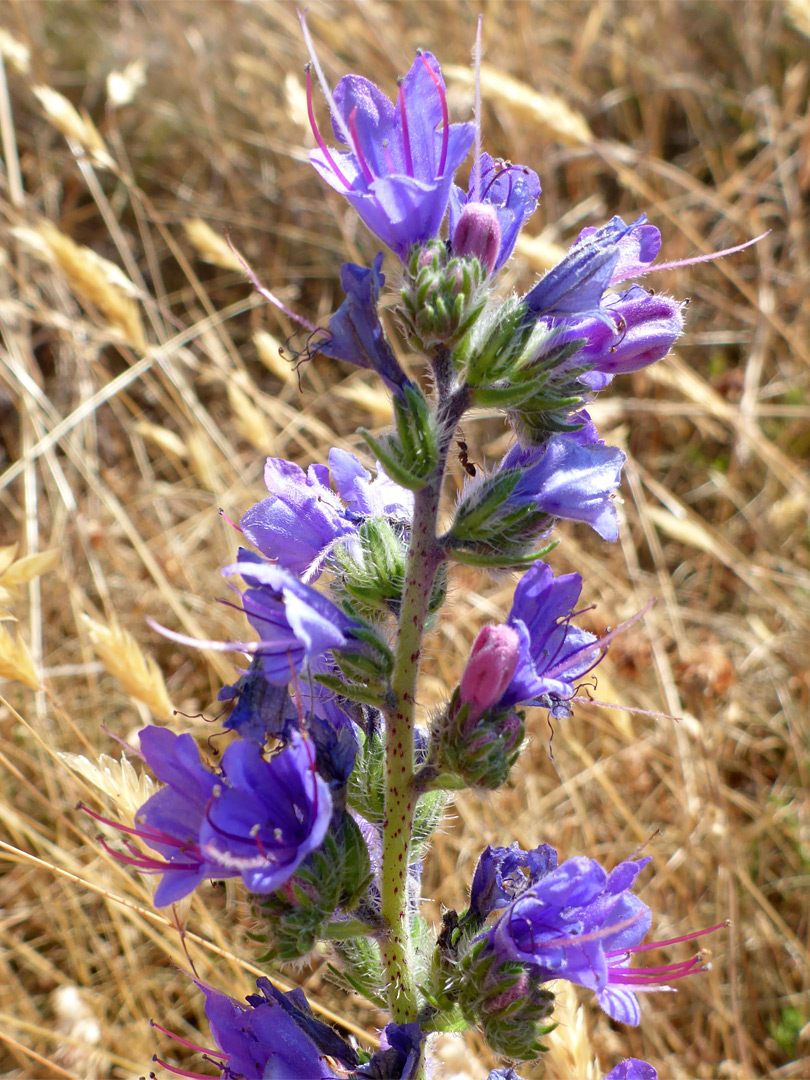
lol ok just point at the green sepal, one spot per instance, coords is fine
(363, 969)
(449, 1020)
(498, 561)
(357, 873)
(429, 811)
(509, 397)
(366, 790)
(392, 464)
(410, 456)
(483, 504)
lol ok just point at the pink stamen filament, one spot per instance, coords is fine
(358, 151)
(144, 863)
(672, 941)
(233, 524)
(406, 139)
(145, 833)
(324, 149)
(445, 115)
(598, 645)
(702, 258)
(181, 1072)
(186, 1042)
(653, 976)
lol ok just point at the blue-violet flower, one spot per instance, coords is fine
(255, 818)
(399, 165)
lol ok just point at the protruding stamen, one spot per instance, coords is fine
(476, 194)
(186, 1042)
(677, 940)
(147, 833)
(180, 1072)
(597, 646)
(358, 150)
(327, 93)
(445, 114)
(257, 285)
(701, 258)
(313, 123)
(655, 976)
(145, 863)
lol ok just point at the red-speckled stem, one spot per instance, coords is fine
(424, 558)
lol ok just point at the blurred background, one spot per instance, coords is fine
(141, 388)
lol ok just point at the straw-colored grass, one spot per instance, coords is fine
(141, 387)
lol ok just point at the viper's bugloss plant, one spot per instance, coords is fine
(325, 800)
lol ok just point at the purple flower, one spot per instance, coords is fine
(255, 818)
(364, 497)
(297, 626)
(554, 653)
(330, 722)
(566, 479)
(399, 1056)
(262, 710)
(598, 259)
(170, 821)
(399, 165)
(356, 335)
(575, 921)
(498, 192)
(301, 518)
(642, 328)
(304, 519)
(268, 815)
(632, 1069)
(274, 1036)
(578, 922)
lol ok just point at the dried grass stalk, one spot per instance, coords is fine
(569, 1051)
(17, 54)
(251, 423)
(92, 279)
(15, 660)
(74, 125)
(14, 573)
(211, 245)
(124, 659)
(550, 113)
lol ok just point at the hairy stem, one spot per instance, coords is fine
(424, 558)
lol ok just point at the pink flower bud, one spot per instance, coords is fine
(489, 670)
(478, 233)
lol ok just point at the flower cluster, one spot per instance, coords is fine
(325, 801)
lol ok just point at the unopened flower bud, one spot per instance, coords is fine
(489, 670)
(478, 233)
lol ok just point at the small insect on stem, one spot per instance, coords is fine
(463, 452)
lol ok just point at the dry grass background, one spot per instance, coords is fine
(141, 388)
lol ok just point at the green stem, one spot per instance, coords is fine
(424, 558)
